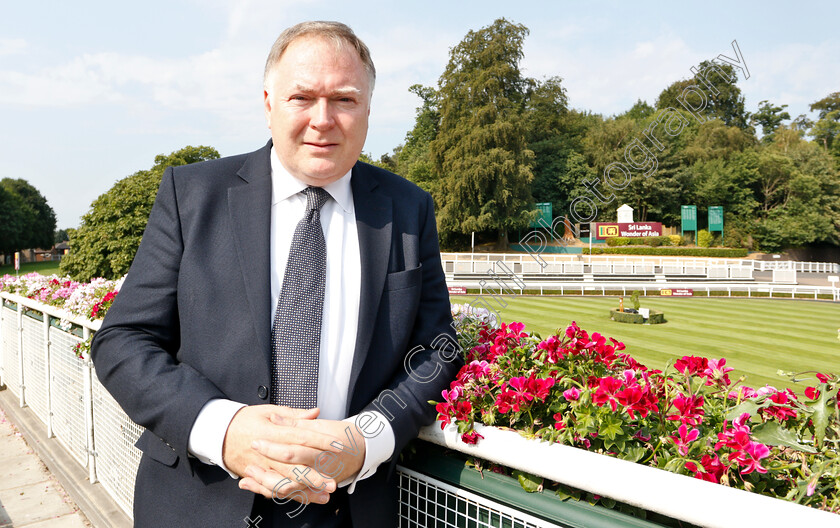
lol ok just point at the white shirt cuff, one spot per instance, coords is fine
(378, 449)
(207, 436)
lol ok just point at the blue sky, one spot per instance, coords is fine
(91, 91)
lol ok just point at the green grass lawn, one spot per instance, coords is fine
(44, 268)
(757, 337)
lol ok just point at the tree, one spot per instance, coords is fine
(480, 152)
(555, 135)
(12, 222)
(723, 97)
(105, 243)
(769, 117)
(38, 216)
(413, 159)
(827, 129)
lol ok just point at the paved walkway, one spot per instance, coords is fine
(30, 496)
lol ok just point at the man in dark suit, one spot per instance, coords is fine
(190, 348)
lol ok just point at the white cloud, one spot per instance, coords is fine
(610, 81)
(12, 46)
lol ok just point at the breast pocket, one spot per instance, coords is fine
(401, 280)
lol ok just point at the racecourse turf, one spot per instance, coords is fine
(758, 337)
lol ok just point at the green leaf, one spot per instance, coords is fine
(633, 454)
(530, 483)
(747, 406)
(772, 433)
(821, 414)
(610, 427)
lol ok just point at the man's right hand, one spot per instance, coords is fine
(300, 447)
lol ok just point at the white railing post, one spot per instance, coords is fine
(21, 382)
(87, 373)
(47, 375)
(2, 351)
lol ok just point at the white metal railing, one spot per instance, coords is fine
(38, 365)
(703, 289)
(464, 261)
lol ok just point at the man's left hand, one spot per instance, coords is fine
(337, 466)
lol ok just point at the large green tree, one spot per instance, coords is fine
(105, 244)
(480, 151)
(769, 117)
(35, 219)
(723, 97)
(413, 158)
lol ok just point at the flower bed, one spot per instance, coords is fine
(583, 390)
(89, 300)
(86, 300)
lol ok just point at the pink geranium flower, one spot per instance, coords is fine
(685, 437)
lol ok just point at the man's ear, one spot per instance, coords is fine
(267, 107)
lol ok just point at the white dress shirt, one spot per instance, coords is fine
(339, 321)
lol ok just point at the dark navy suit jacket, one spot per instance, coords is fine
(192, 323)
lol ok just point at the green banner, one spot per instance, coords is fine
(545, 214)
(688, 214)
(716, 218)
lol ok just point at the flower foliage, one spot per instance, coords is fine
(89, 300)
(583, 390)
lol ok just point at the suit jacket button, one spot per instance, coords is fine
(262, 392)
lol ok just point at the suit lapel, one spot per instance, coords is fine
(249, 206)
(374, 218)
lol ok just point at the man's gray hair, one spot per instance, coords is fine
(340, 34)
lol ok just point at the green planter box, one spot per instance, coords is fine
(426, 504)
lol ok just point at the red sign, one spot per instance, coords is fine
(636, 229)
(457, 290)
(677, 292)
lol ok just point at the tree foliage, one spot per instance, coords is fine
(480, 151)
(487, 142)
(26, 219)
(105, 243)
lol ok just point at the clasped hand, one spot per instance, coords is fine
(283, 453)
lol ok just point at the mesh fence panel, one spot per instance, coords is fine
(34, 367)
(66, 394)
(116, 457)
(11, 354)
(426, 502)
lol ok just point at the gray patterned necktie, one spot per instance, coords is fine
(296, 331)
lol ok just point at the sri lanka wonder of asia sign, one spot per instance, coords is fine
(636, 229)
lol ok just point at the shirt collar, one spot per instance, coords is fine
(284, 185)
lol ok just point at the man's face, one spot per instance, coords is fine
(317, 103)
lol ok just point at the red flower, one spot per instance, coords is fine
(690, 409)
(716, 372)
(471, 438)
(685, 437)
(607, 387)
(812, 393)
(822, 377)
(780, 413)
(691, 365)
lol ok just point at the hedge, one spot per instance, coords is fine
(656, 317)
(674, 251)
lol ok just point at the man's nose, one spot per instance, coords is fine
(322, 115)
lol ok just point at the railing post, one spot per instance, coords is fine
(2, 351)
(47, 375)
(87, 373)
(21, 382)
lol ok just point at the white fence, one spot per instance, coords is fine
(565, 263)
(38, 365)
(704, 289)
